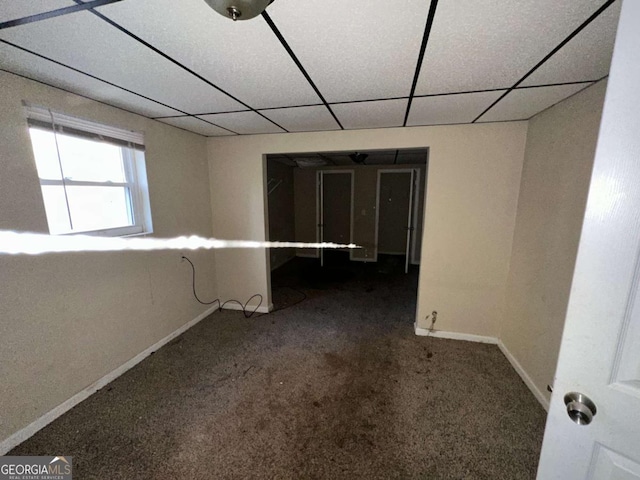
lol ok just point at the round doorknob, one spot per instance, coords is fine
(580, 408)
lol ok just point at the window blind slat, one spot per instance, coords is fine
(41, 117)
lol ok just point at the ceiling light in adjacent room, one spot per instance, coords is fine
(239, 9)
(358, 157)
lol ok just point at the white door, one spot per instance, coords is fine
(335, 207)
(395, 215)
(600, 353)
(409, 223)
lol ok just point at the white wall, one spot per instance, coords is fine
(559, 156)
(66, 320)
(472, 192)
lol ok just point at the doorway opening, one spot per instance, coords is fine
(372, 198)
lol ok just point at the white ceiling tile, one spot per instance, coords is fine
(444, 109)
(341, 161)
(15, 9)
(485, 44)
(90, 44)
(375, 158)
(414, 151)
(382, 161)
(410, 158)
(303, 119)
(355, 51)
(587, 56)
(352, 52)
(384, 113)
(523, 103)
(23, 63)
(196, 126)
(244, 58)
(246, 123)
(332, 158)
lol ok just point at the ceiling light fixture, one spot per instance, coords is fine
(358, 157)
(239, 9)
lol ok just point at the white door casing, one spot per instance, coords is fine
(410, 222)
(600, 353)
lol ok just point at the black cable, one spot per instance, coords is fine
(304, 297)
(244, 307)
(193, 284)
(220, 306)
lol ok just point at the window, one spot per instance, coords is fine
(92, 176)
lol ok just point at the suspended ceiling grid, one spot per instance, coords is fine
(314, 65)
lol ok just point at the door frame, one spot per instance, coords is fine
(319, 206)
(414, 208)
(598, 353)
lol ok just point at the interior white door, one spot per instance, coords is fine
(336, 208)
(409, 222)
(320, 214)
(600, 353)
(395, 212)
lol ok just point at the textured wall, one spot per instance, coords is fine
(559, 156)
(69, 319)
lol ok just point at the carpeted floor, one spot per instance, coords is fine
(336, 386)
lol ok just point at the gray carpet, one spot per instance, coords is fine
(336, 386)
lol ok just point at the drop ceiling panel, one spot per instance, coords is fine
(303, 119)
(339, 159)
(523, 103)
(384, 157)
(285, 160)
(385, 113)
(409, 158)
(380, 158)
(587, 56)
(355, 51)
(196, 126)
(246, 123)
(389, 161)
(15, 9)
(32, 66)
(484, 44)
(88, 43)
(414, 151)
(244, 58)
(444, 109)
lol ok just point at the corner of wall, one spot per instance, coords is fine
(559, 153)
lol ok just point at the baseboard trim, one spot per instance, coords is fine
(250, 308)
(423, 332)
(38, 424)
(365, 260)
(468, 337)
(307, 255)
(524, 376)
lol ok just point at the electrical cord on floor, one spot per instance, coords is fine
(221, 305)
(304, 297)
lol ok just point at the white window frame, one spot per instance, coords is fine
(133, 163)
